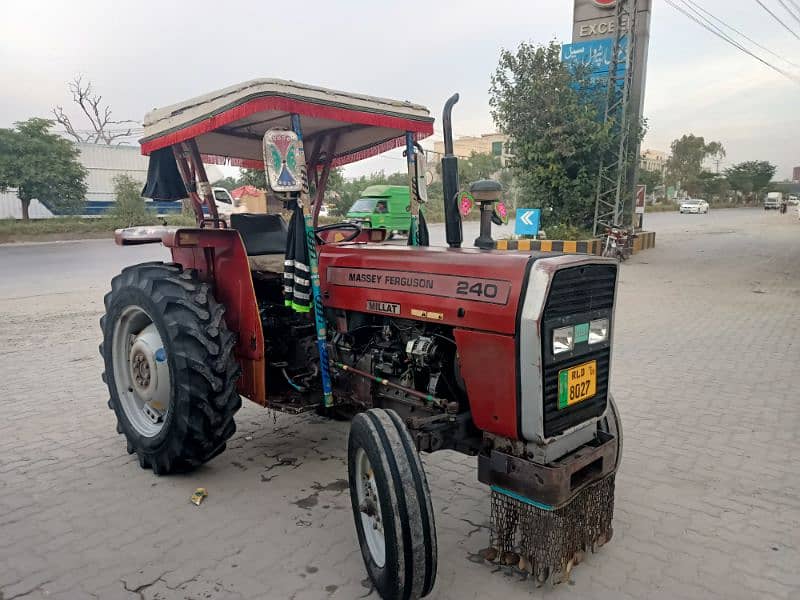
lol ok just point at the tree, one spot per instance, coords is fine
(750, 177)
(712, 185)
(42, 166)
(229, 183)
(255, 177)
(550, 113)
(479, 165)
(99, 116)
(129, 208)
(651, 179)
(686, 163)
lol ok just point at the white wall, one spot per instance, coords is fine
(11, 207)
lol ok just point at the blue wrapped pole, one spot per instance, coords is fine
(313, 264)
(413, 230)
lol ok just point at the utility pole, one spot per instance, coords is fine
(614, 193)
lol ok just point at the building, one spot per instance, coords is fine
(653, 160)
(102, 163)
(796, 175)
(495, 144)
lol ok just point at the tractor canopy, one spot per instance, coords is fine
(228, 125)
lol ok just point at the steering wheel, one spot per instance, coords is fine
(355, 227)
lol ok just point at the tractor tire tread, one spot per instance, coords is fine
(204, 395)
(410, 570)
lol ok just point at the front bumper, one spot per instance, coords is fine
(554, 484)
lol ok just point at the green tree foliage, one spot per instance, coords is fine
(550, 113)
(750, 177)
(229, 183)
(712, 186)
(478, 166)
(254, 177)
(650, 179)
(686, 163)
(42, 166)
(129, 209)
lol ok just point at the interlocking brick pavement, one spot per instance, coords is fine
(706, 375)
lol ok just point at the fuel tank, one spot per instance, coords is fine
(462, 287)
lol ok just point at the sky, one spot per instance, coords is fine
(145, 54)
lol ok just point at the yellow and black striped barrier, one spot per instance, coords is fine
(643, 241)
(566, 246)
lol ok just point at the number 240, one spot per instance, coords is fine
(488, 290)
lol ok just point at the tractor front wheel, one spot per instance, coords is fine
(169, 366)
(391, 506)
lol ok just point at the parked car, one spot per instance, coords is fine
(383, 207)
(694, 205)
(793, 200)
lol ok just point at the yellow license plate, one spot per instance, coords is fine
(577, 384)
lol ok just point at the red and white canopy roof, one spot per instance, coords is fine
(229, 124)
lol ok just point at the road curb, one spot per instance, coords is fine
(51, 242)
(565, 246)
(644, 240)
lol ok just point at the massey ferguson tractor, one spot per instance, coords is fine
(495, 354)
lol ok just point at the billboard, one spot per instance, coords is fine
(597, 54)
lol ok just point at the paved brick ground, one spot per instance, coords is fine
(706, 375)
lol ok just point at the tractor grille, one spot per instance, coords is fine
(575, 293)
(580, 290)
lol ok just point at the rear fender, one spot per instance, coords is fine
(220, 259)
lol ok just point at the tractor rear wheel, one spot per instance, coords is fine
(169, 366)
(391, 506)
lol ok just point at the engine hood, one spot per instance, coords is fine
(465, 287)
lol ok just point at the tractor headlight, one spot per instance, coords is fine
(598, 331)
(563, 339)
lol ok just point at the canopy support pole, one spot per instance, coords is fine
(411, 159)
(193, 173)
(187, 176)
(203, 186)
(313, 265)
(322, 180)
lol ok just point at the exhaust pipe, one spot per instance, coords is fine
(452, 217)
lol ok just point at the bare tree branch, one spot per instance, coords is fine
(99, 116)
(63, 119)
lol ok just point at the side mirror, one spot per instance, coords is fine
(486, 193)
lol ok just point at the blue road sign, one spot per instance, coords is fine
(527, 222)
(595, 53)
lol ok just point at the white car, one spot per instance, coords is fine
(694, 205)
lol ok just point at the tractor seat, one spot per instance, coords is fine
(264, 238)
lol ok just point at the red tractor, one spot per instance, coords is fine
(501, 355)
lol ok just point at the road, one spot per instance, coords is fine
(708, 495)
(32, 269)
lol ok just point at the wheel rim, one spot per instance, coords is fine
(369, 507)
(141, 372)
